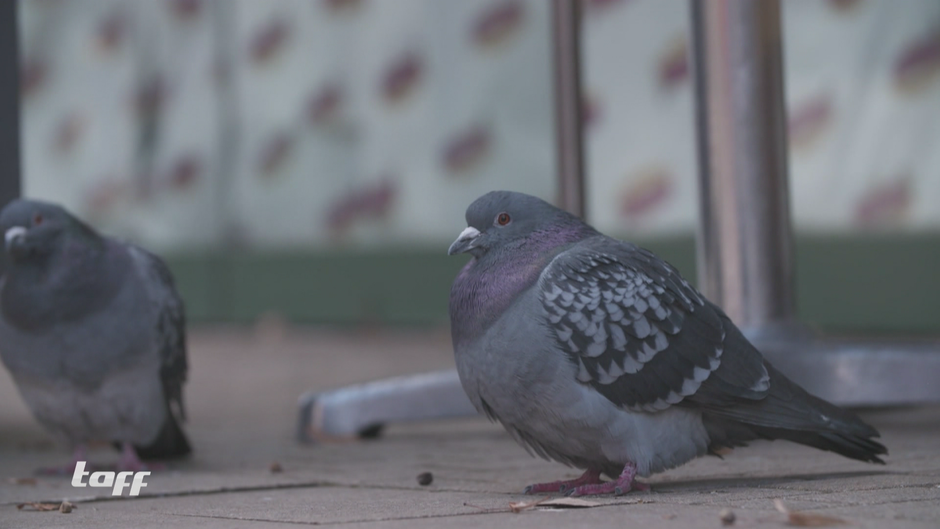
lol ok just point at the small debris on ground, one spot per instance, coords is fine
(519, 506)
(425, 479)
(45, 506)
(569, 503)
(276, 468)
(22, 481)
(547, 501)
(514, 506)
(806, 519)
(726, 516)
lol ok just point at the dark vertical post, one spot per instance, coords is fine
(745, 243)
(9, 108)
(569, 138)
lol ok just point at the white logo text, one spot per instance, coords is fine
(107, 479)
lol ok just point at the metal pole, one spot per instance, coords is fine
(745, 244)
(569, 142)
(9, 109)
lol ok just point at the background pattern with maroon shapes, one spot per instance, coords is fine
(289, 123)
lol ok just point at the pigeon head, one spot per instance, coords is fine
(500, 219)
(33, 229)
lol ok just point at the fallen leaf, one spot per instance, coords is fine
(22, 481)
(547, 501)
(519, 506)
(570, 503)
(38, 506)
(806, 519)
(66, 507)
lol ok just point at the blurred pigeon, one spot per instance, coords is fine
(93, 333)
(596, 353)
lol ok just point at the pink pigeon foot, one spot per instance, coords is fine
(77, 455)
(618, 487)
(130, 461)
(590, 477)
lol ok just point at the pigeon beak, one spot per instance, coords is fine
(12, 235)
(466, 241)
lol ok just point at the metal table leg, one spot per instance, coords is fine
(569, 125)
(744, 240)
(363, 409)
(745, 243)
(9, 109)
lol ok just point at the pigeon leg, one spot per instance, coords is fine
(622, 485)
(78, 454)
(590, 477)
(130, 461)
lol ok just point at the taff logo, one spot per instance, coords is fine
(106, 479)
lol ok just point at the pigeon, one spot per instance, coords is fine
(596, 353)
(93, 334)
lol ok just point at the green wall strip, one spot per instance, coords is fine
(877, 284)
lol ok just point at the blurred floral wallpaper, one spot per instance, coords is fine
(190, 124)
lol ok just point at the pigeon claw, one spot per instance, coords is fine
(618, 487)
(610, 487)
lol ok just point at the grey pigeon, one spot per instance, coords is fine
(597, 354)
(93, 333)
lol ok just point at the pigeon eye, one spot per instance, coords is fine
(37, 219)
(503, 219)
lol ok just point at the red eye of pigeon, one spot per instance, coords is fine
(37, 219)
(503, 219)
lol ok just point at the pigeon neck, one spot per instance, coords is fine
(487, 286)
(75, 279)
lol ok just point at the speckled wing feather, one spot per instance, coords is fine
(638, 333)
(171, 327)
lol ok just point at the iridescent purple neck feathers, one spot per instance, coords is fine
(487, 286)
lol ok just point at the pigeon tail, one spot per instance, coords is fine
(789, 412)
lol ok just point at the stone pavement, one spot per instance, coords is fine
(242, 404)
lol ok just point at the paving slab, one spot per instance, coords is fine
(366, 507)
